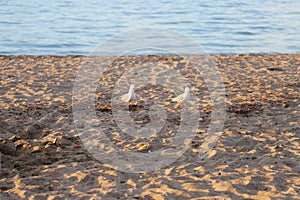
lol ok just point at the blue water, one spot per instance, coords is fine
(63, 27)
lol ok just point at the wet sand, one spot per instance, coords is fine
(256, 157)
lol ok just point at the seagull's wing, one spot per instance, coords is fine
(126, 97)
(179, 98)
(182, 97)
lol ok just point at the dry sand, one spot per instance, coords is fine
(256, 157)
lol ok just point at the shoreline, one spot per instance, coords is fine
(256, 156)
(82, 55)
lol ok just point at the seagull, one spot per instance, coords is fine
(130, 95)
(181, 98)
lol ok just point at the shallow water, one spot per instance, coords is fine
(61, 27)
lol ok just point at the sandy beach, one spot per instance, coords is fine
(256, 157)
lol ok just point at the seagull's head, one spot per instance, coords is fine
(131, 87)
(187, 89)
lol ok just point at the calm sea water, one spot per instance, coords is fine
(61, 27)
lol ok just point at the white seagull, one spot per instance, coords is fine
(181, 98)
(130, 95)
